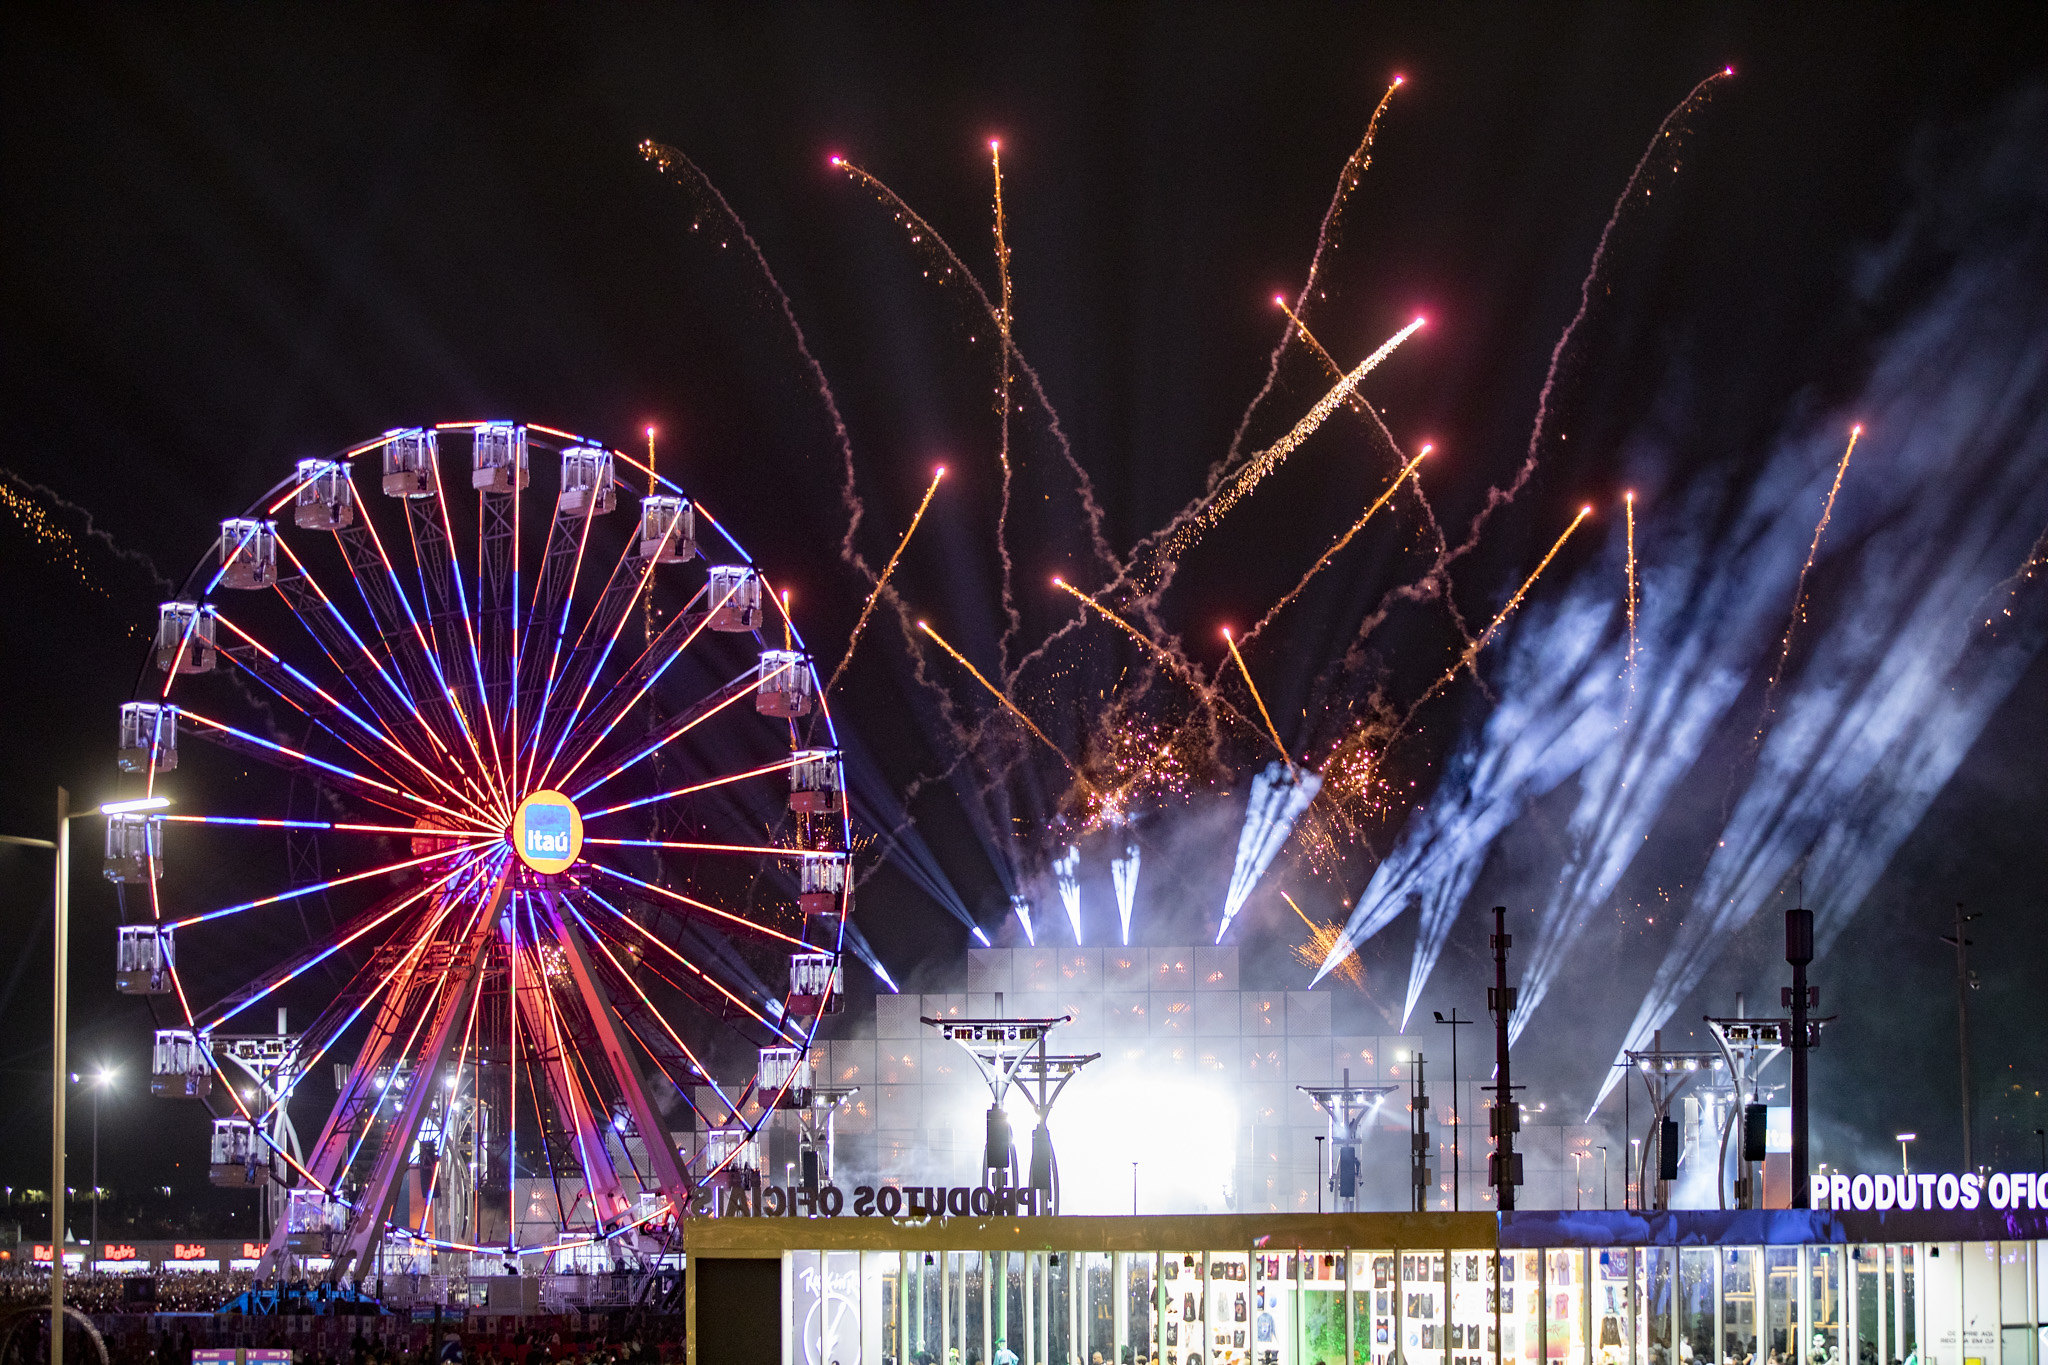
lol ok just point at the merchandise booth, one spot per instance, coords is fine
(1540, 1288)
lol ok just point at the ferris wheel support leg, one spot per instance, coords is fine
(551, 1050)
(380, 1191)
(352, 1107)
(625, 1070)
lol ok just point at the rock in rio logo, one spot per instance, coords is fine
(547, 832)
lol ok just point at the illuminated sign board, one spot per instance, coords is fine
(547, 832)
(188, 1251)
(117, 1251)
(872, 1201)
(2001, 1190)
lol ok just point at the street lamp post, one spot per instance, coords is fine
(1319, 1173)
(60, 1013)
(1904, 1138)
(1578, 1185)
(1457, 1173)
(99, 1084)
(1605, 1201)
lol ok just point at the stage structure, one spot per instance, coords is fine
(545, 706)
(1349, 1107)
(1012, 1054)
(1748, 1046)
(1665, 1076)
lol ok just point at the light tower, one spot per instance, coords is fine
(1665, 1075)
(1347, 1107)
(1012, 1052)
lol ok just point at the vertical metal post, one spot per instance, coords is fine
(1964, 982)
(59, 1070)
(1799, 952)
(1500, 999)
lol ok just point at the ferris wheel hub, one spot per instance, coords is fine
(547, 832)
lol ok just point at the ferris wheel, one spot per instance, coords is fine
(548, 821)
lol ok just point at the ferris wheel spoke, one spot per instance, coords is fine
(314, 702)
(448, 601)
(654, 661)
(294, 760)
(780, 765)
(469, 847)
(678, 1049)
(619, 917)
(413, 640)
(554, 594)
(497, 597)
(723, 916)
(325, 826)
(703, 710)
(228, 1006)
(587, 659)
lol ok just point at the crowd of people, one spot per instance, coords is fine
(93, 1292)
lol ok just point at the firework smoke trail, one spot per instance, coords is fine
(883, 581)
(952, 268)
(1407, 471)
(1264, 715)
(29, 508)
(1020, 906)
(1472, 651)
(1008, 705)
(1175, 545)
(1820, 529)
(1668, 132)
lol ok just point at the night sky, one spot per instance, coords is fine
(239, 236)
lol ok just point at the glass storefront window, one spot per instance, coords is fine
(1521, 1304)
(1470, 1290)
(1741, 1316)
(1322, 1308)
(1565, 1305)
(1867, 1265)
(1229, 1309)
(1657, 1302)
(1139, 1270)
(1375, 1322)
(1697, 1343)
(1824, 1304)
(1617, 1307)
(1423, 1308)
(1781, 1306)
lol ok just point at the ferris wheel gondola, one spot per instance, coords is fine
(540, 791)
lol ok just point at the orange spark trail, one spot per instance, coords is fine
(1008, 705)
(1015, 622)
(1263, 713)
(875, 594)
(1630, 501)
(1799, 592)
(1186, 670)
(1343, 540)
(1323, 940)
(1472, 651)
(1267, 460)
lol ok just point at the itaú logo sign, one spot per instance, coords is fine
(2000, 1190)
(547, 833)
